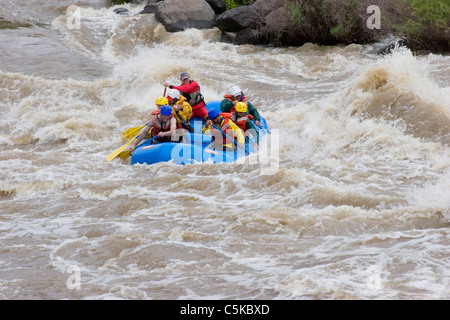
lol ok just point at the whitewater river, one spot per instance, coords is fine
(351, 202)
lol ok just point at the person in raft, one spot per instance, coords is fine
(163, 125)
(222, 139)
(190, 89)
(160, 101)
(234, 96)
(182, 110)
(243, 120)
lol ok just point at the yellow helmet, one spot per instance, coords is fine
(241, 107)
(161, 101)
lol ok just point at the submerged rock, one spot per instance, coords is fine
(121, 10)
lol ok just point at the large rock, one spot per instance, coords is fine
(177, 15)
(277, 21)
(151, 6)
(256, 23)
(237, 19)
(250, 36)
(264, 7)
(218, 6)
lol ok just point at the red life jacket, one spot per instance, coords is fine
(240, 122)
(158, 127)
(156, 112)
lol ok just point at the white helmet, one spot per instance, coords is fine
(235, 91)
(174, 94)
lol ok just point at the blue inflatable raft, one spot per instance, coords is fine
(193, 148)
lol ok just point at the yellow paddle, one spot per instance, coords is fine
(124, 154)
(118, 151)
(132, 132)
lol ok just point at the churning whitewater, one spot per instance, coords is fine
(356, 204)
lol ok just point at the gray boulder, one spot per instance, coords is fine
(249, 36)
(177, 15)
(121, 10)
(264, 7)
(237, 19)
(259, 23)
(218, 6)
(277, 21)
(149, 8)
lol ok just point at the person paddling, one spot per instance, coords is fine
(190, 89)
(163, 125)
(228, 130)
(182, 110)
(243, 120)
(234, 96)
(160, 101)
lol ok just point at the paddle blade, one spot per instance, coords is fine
(118, 151)
(131, 133)
(124, 155)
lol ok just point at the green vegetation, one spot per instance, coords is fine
(428, 23)
(236, 3)
(435, 13)
(423, 24)
(230, 4)
(326, 21)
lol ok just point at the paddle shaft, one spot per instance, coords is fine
(118, 151)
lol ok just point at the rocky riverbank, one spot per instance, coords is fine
(421, 26)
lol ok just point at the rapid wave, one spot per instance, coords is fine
(399, 89)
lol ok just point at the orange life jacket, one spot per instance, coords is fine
(240, 122)
(156, 112)
(158, 127)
